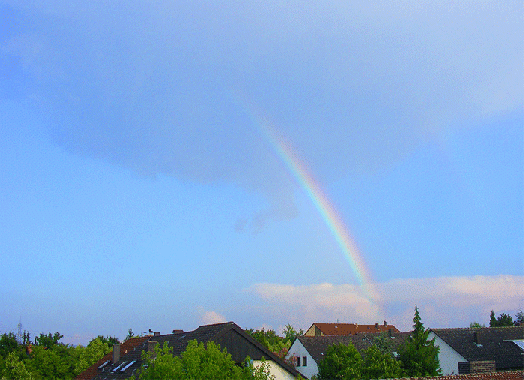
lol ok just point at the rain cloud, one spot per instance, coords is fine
(154, 86)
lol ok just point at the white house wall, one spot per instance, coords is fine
(298, 350)
(448, 357)
(274, 369)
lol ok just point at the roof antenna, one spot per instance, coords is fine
(19, 334)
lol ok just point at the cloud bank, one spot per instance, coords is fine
(212, 317)
(153, 86)
(443, 301)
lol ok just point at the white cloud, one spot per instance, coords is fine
(443, 301)
(211, 317)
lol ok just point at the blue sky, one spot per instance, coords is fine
(137, 190)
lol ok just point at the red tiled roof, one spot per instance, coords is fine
(503, 375)
(351, 328)
(128, 345)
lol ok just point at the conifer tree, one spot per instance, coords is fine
(418, 355)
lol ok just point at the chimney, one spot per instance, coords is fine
(476, 337)
(116, 352)
(156, 333)
(385, 323)
(151, 345)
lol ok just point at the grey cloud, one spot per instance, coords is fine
(355, 86)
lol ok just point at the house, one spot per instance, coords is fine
(127, 359)
(504, 375)
(470, 350)
(321, 329)
(308, 351)
(128, 346)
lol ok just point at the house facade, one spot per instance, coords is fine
(486, 349)
(308, 351)
(330, 329)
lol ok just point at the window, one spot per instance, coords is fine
(298, 361)
(304, 361)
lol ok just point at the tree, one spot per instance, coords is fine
(418, 355)
(476, 325)
(129, 335)
(379, 365)
(87, 356)
(48, 358)
(198, 361)
(340, 362)
(501, 321)
(51, 363)
(14, 368)
(383, 343)
(274, 343)
(8, 344)
(109, 340)
(48, 340)
(519, 318)
(290, 334)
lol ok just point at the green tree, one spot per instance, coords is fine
(501, 321)
(340, 362)
(519, 318)
(8, 344)
(51, 363)
(48, 340)
(13, 367)
(48, 358)
(418, 355)
(129, 335)
(384, 343)
(198, 361)
(109, 340)
(492, 319)
(290, 334)
(379, 365)
(274, 343)
(89, 355)
(476, 325)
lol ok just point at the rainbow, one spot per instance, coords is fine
(322, 203)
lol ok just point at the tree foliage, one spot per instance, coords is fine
(273, 342)
(379, 364)
(419, 355)
(290, 334)
(519, 318)
(501, 321)
(109, 340)
(47, 358)
(89, 355)
(340, 362)
(8, 344)
(48, 340)
(198, 361)
(345, 362)
(476, 325)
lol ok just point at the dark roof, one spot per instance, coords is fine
(504, 375)
(127, 346)
(351, 328)
(489, 343)
(318, 345)
(228, 335)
